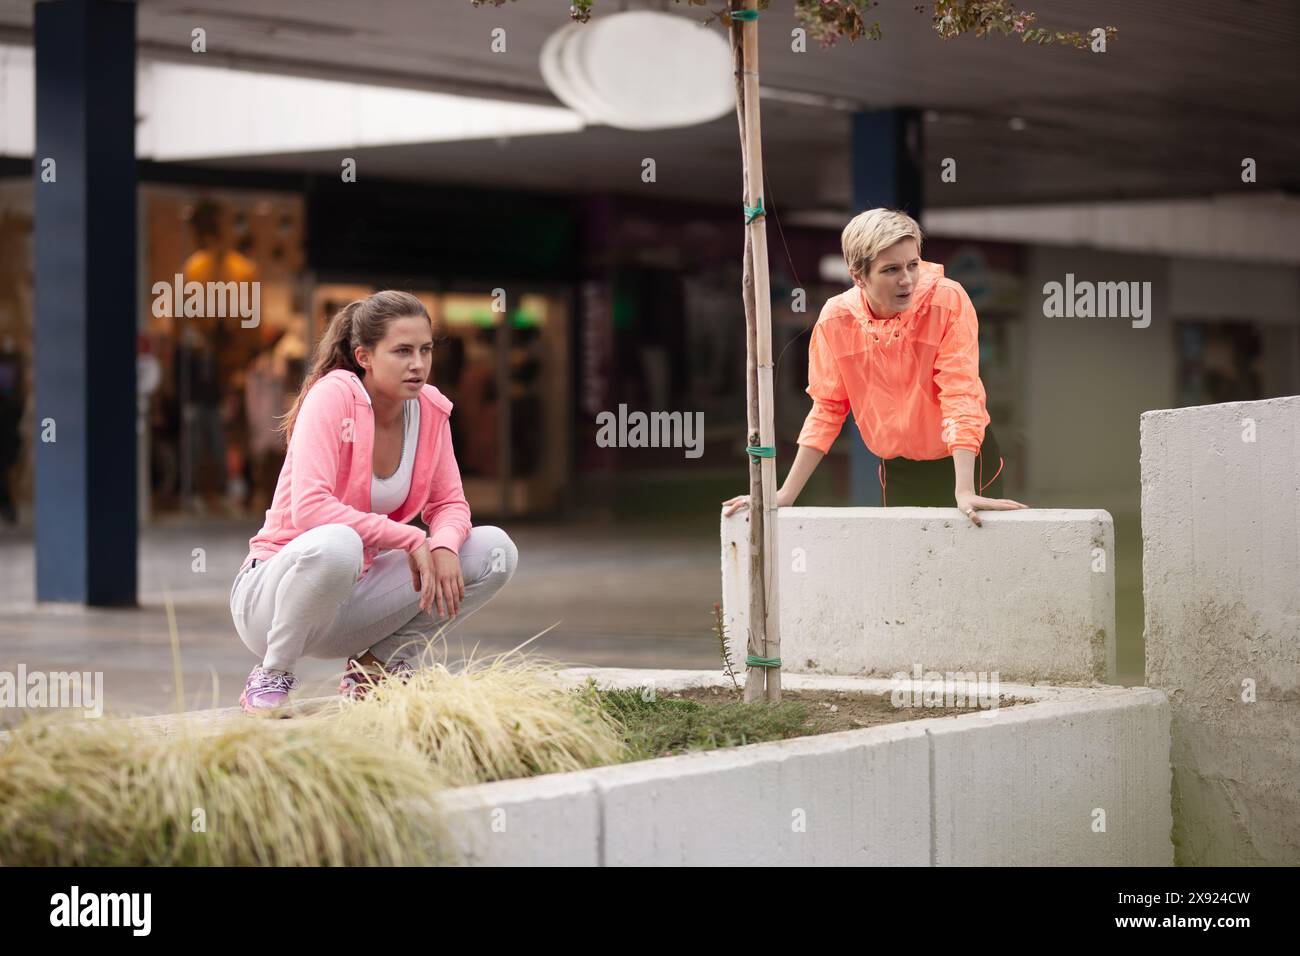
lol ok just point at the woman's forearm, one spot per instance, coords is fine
(963, 464)
(806, 461)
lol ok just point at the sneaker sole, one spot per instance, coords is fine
(278, 712)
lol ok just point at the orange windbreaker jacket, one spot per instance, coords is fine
(913, 381)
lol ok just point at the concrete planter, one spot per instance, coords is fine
(1079, 777)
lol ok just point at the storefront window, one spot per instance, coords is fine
(224, 366)
(16, 349)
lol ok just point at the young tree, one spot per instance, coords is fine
(825, 21)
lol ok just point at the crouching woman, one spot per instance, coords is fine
(337, 570)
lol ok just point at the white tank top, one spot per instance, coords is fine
(387, 494)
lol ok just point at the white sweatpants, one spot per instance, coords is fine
(306, 601)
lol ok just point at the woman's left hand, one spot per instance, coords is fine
(972, 504)
(448, 583)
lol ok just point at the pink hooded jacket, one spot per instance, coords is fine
(328, 470)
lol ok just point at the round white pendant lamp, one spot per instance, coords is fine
(641, 70)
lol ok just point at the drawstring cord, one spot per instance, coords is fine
(880, 476)
(995, 474)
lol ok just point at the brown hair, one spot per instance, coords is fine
(362, 322)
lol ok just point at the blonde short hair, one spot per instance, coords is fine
(871, 232)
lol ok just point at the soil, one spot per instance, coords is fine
(832, 710)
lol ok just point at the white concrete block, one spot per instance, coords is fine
(1221, 583)
(1015, 786)
(552, 820)
(858, 798)
(1083, 782)
(1030, 594)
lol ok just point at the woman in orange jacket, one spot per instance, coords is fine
(901, 350)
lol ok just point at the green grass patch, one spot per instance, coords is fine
(662, 726)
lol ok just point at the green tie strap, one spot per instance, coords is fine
(744, 15)
(760, 451)
(753, 660)
(753, 212)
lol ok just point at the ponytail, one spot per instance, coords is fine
(335, 350)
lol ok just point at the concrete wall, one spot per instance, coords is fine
(1030, 594)
(1221, 579)
(993, 806)
(1080, 777)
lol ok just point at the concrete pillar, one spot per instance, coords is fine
(85, 249)
(1221, 583)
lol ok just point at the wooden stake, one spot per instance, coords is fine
(755, 643)
(764, 611)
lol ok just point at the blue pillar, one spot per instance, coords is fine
(85, 336)
(886, 156)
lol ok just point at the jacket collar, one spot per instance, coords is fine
(429, 395)
(361, 474)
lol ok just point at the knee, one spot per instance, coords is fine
(335, 551)
(498, 552)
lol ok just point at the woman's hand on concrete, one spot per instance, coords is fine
(741, 502)
(732, 505)
(972, 504)
(805, 463)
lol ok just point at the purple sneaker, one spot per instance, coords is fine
(358, 679)
(265, 691)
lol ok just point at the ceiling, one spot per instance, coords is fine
(1186, 90)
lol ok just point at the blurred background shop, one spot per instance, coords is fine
(615, 300)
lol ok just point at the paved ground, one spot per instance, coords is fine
(639, 597)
